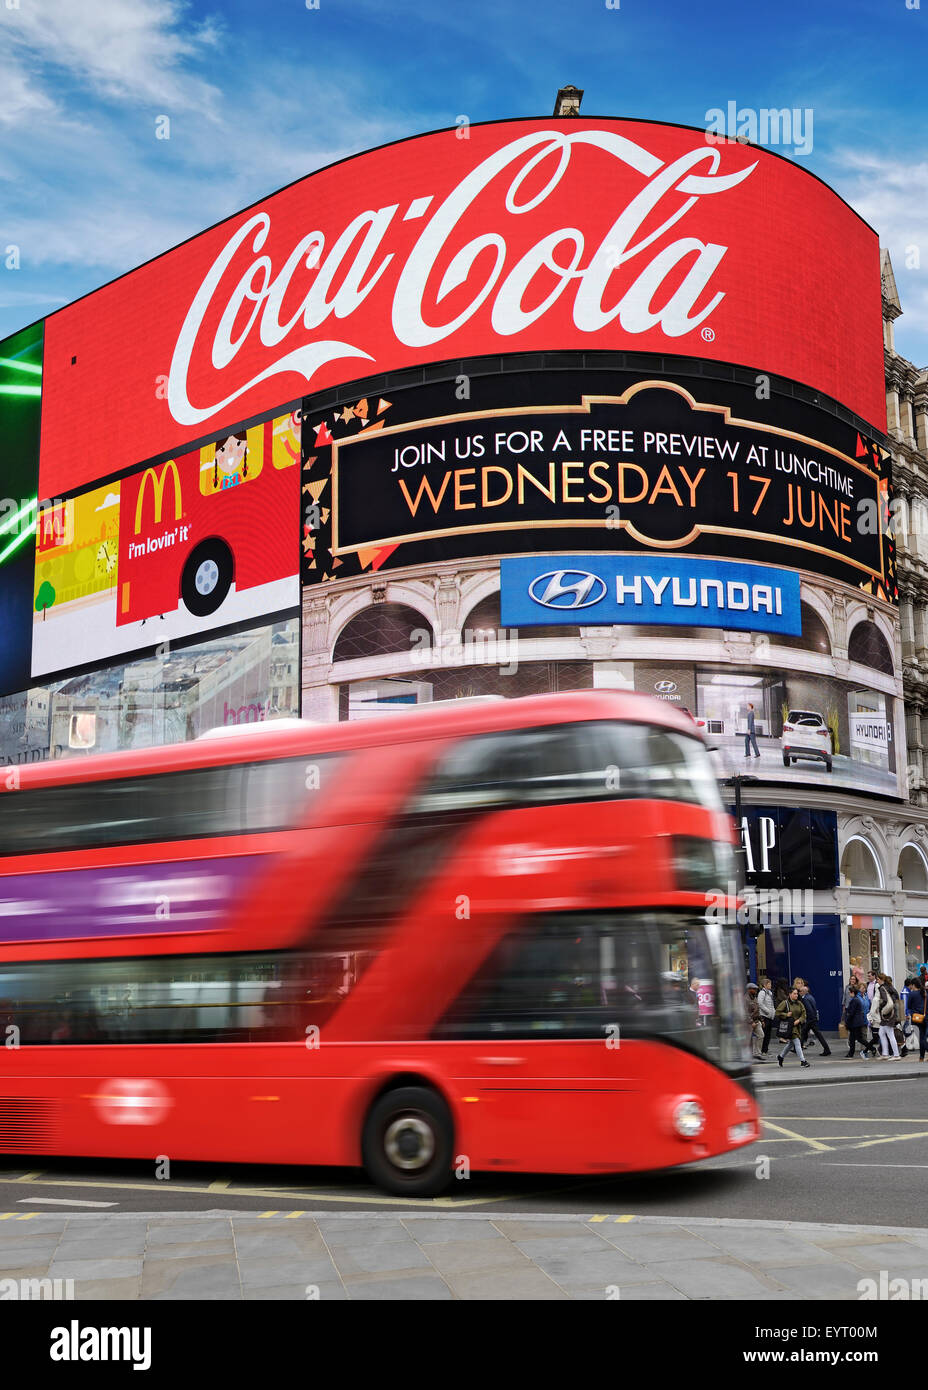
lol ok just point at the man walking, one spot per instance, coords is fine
(767, 1011)
(750, 737)
(856, 1016)
(754, 1024)
(811, 1023)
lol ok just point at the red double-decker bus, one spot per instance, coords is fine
(467, 937)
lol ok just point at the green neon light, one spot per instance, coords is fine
(20, 390)
(17, 542)
(18, 516)
(20, 366)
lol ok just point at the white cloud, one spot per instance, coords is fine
(110, 500)
(123, 49)
(892, 195)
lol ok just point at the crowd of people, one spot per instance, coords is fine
(878, 1018)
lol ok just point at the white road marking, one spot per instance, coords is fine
(66, 1202)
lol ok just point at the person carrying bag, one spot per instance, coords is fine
(791, 1017)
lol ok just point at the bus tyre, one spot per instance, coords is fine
(207, 578)
(786, 760)
(408, 1140)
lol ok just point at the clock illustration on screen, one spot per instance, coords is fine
(107, 555)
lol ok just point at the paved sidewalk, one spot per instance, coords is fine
(837, 1067)
(305, 1255)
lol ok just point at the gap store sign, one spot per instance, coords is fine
(675, 590)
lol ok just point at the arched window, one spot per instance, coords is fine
(379, 630)
(814, 636)
(868, 646)
(912, 870)
(859, 864)
(485, 617)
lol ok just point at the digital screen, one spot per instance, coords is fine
(808, 728)
(196, 543)
(584, 461)
(514, 236)
(20, 408)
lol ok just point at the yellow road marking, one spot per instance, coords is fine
(599, 1218)
(895, 1139)
(219, 1185)
(857, 1119)
(292, 1214)
(625, 1218)
(791, 1134)
(28, 1177)
(451, 1203)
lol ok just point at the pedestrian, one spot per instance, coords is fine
(918, 1012)
(882, 1019)
(780, 992)
(811, 1023)
(852, 984)
(752, 1009)
(767, 1009)
(872, 981)
(856, 1022)
(750, 738)
(886, 998)
(792, 1016)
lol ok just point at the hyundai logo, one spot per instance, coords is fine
(576, 589)
(665, 687)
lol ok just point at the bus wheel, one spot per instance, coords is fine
(207, 578)
(407, 1144)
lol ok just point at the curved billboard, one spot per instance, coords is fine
(608, 460)
(522, 235)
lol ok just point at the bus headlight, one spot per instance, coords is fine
(689, 1119)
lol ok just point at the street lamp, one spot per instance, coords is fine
(753, 925)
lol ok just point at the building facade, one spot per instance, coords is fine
(490, 436)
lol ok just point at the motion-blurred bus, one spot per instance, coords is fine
(472, 937)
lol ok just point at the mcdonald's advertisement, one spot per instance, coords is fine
(597, 461)
(205, 541)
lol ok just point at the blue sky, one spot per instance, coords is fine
(260, 92)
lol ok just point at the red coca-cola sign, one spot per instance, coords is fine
(523, 236)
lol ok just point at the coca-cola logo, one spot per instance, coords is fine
(637, 274)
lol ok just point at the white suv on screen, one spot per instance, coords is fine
(806, 735)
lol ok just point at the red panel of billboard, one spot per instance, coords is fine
(524, 235)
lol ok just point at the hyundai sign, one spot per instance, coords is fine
(672, 590)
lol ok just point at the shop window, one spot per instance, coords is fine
(485, 617)
(860, 866)
(869, 647)
(912, 870)
(814, 636)
(380, 630)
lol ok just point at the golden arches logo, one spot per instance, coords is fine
(158, 482)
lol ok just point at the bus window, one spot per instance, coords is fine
(242, 798)
(649, 761)
(256, 996)
(578, 975)
(571, 762)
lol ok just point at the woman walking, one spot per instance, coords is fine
(792, 1016)
(885, 1001)
(917, 1011)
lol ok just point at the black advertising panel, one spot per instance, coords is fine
(789, 847)
(20, 408)
(594, 460)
